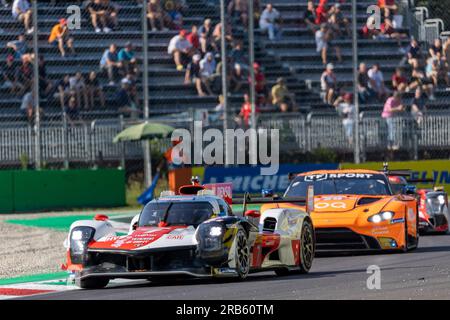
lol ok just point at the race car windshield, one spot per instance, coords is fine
(330, 184)
(175, 213)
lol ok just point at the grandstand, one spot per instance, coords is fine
(294, 57)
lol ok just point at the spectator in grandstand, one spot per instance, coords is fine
(437, 69)
(78, 86)
(25, 74)
(392, 107)
(193, 38)
(376, 82)
(28, 104)
(364, 92)
(370, 30)
(281, 97)
(419, 106)
(131, 80)
(238, 58)
(72, 110)
(322, 12)
(388, 31)
(123, 99)
(64, 92)
(309, 17)
(217, 35)
(181, 50)
(270, 22)
(193, 75)
(110, 62)
(415, 53)
(127, 59)
(207, 71)
(245, 114)
(419, 79)
(328, 83)
(323, 41)
(21, 11)
(94, 89)
(103, 15)
(399, 81)
(206, 36)
(155, 15)
(436, 48)
(59, 37)
(45, 85)
(19, 47)
(340, 20)
(446, 49)
(260, 80)
(388, 6)
(239, 9)
(10, 76)
(174, 15)
(346, 109)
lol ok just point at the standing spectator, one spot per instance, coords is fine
(72, 110)
(127, 59)
(155, 15)
(181, 50)
(346, 109)
(399, 81)
(341, 21)
(418, 106)
(270, 22)
(364, 92)
(59, 37)
(322, 12)
(309, 17)
(64, 92)
(323, 38)
(328, 83)
(260, 80)
(376, 81)
(281, 97)
(110, 62)
(21, 11)
(28, 105)
(246, 111)
(94, 89)
(101, 15)
(25, 74)
(78, 86)
(19, 47)
(392, 107)
(239, 9)
(207, 71)
(193, 75)
(45, 85)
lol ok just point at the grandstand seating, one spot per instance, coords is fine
(294, 57)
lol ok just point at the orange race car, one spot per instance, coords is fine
(356, 210)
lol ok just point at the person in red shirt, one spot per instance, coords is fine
(193, 38)
(388, 30)
(322, 13)
(260, 80)
(389, 7)
(399, 81)
(246, 110)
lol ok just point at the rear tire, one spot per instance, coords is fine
(92, 283)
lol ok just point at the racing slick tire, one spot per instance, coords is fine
(242, 254)
(91, 283)
(307, 247)
(413, 246)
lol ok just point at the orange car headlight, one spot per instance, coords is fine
(382, 216)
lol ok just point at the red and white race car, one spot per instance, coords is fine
(193, 234)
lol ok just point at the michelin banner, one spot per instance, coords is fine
(248, 179)
(438, 170)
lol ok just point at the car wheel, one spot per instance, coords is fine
(92, 283)
(242, 254)
(307, 247)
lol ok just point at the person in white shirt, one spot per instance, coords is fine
(21, 11)
(376, 81)
(207, 71)
(181, 50)
(269, 21)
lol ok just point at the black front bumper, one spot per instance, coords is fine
(343, 240)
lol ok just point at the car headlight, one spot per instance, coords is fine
(210, 236)
(382, 216)
(441, 199)
(79, 239)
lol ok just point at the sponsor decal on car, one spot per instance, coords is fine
(399, 220)
(326, 176)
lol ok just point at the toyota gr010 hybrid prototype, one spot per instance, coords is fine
(356, 210)
(433, 204)
(193, 234)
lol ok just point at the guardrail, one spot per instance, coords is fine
(91, 142)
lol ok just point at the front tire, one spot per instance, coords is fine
(307, 247)
(242, 254)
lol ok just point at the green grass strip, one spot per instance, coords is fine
(34, 278)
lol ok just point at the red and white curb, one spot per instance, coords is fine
(33, 288)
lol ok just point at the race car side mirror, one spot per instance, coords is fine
(253, 213)
(410, 190)
(135, 226)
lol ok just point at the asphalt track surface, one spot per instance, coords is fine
(421, 274)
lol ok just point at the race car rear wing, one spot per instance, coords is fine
(275, 200)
